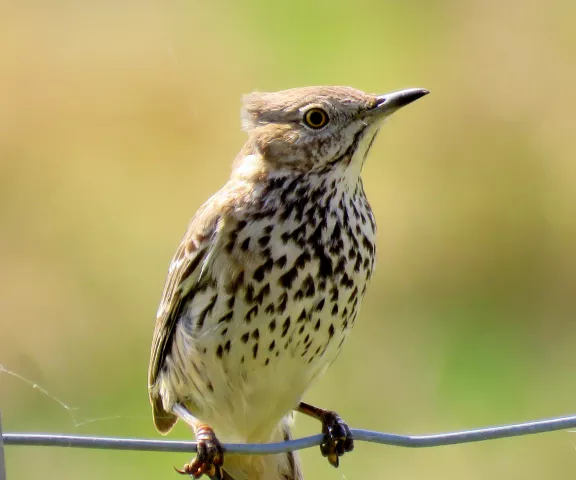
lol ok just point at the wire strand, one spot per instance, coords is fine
(411, 441)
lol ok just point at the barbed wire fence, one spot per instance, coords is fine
(410, 441)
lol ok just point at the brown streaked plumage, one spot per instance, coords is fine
(268, 280)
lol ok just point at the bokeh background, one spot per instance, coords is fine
(118, 119)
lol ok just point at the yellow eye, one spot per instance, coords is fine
(316, 118)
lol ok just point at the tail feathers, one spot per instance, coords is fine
(295, 470)
(282, 466)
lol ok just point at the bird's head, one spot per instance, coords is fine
(318, 128)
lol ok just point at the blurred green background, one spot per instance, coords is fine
(118, 119)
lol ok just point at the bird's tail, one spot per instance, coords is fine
(282, 466)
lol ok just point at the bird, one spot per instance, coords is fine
(268, 279)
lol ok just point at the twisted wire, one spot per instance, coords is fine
(410, 441)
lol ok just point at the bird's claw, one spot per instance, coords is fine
(209, 457)
(337, 438)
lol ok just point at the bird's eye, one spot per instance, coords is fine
(316, 118)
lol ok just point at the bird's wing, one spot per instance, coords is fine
(185, 270)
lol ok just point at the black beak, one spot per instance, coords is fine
(390, 102)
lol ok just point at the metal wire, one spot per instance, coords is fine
(413, 441)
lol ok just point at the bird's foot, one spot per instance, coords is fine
(209, 456)
(337, 437)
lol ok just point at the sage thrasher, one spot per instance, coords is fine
(268, 280)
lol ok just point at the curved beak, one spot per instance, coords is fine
(388, 103)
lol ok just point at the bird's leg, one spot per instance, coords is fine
(209, 453)
(337, 436)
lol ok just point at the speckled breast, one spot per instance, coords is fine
(306, 264)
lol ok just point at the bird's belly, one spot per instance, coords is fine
(245, 376)
(248, 350)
